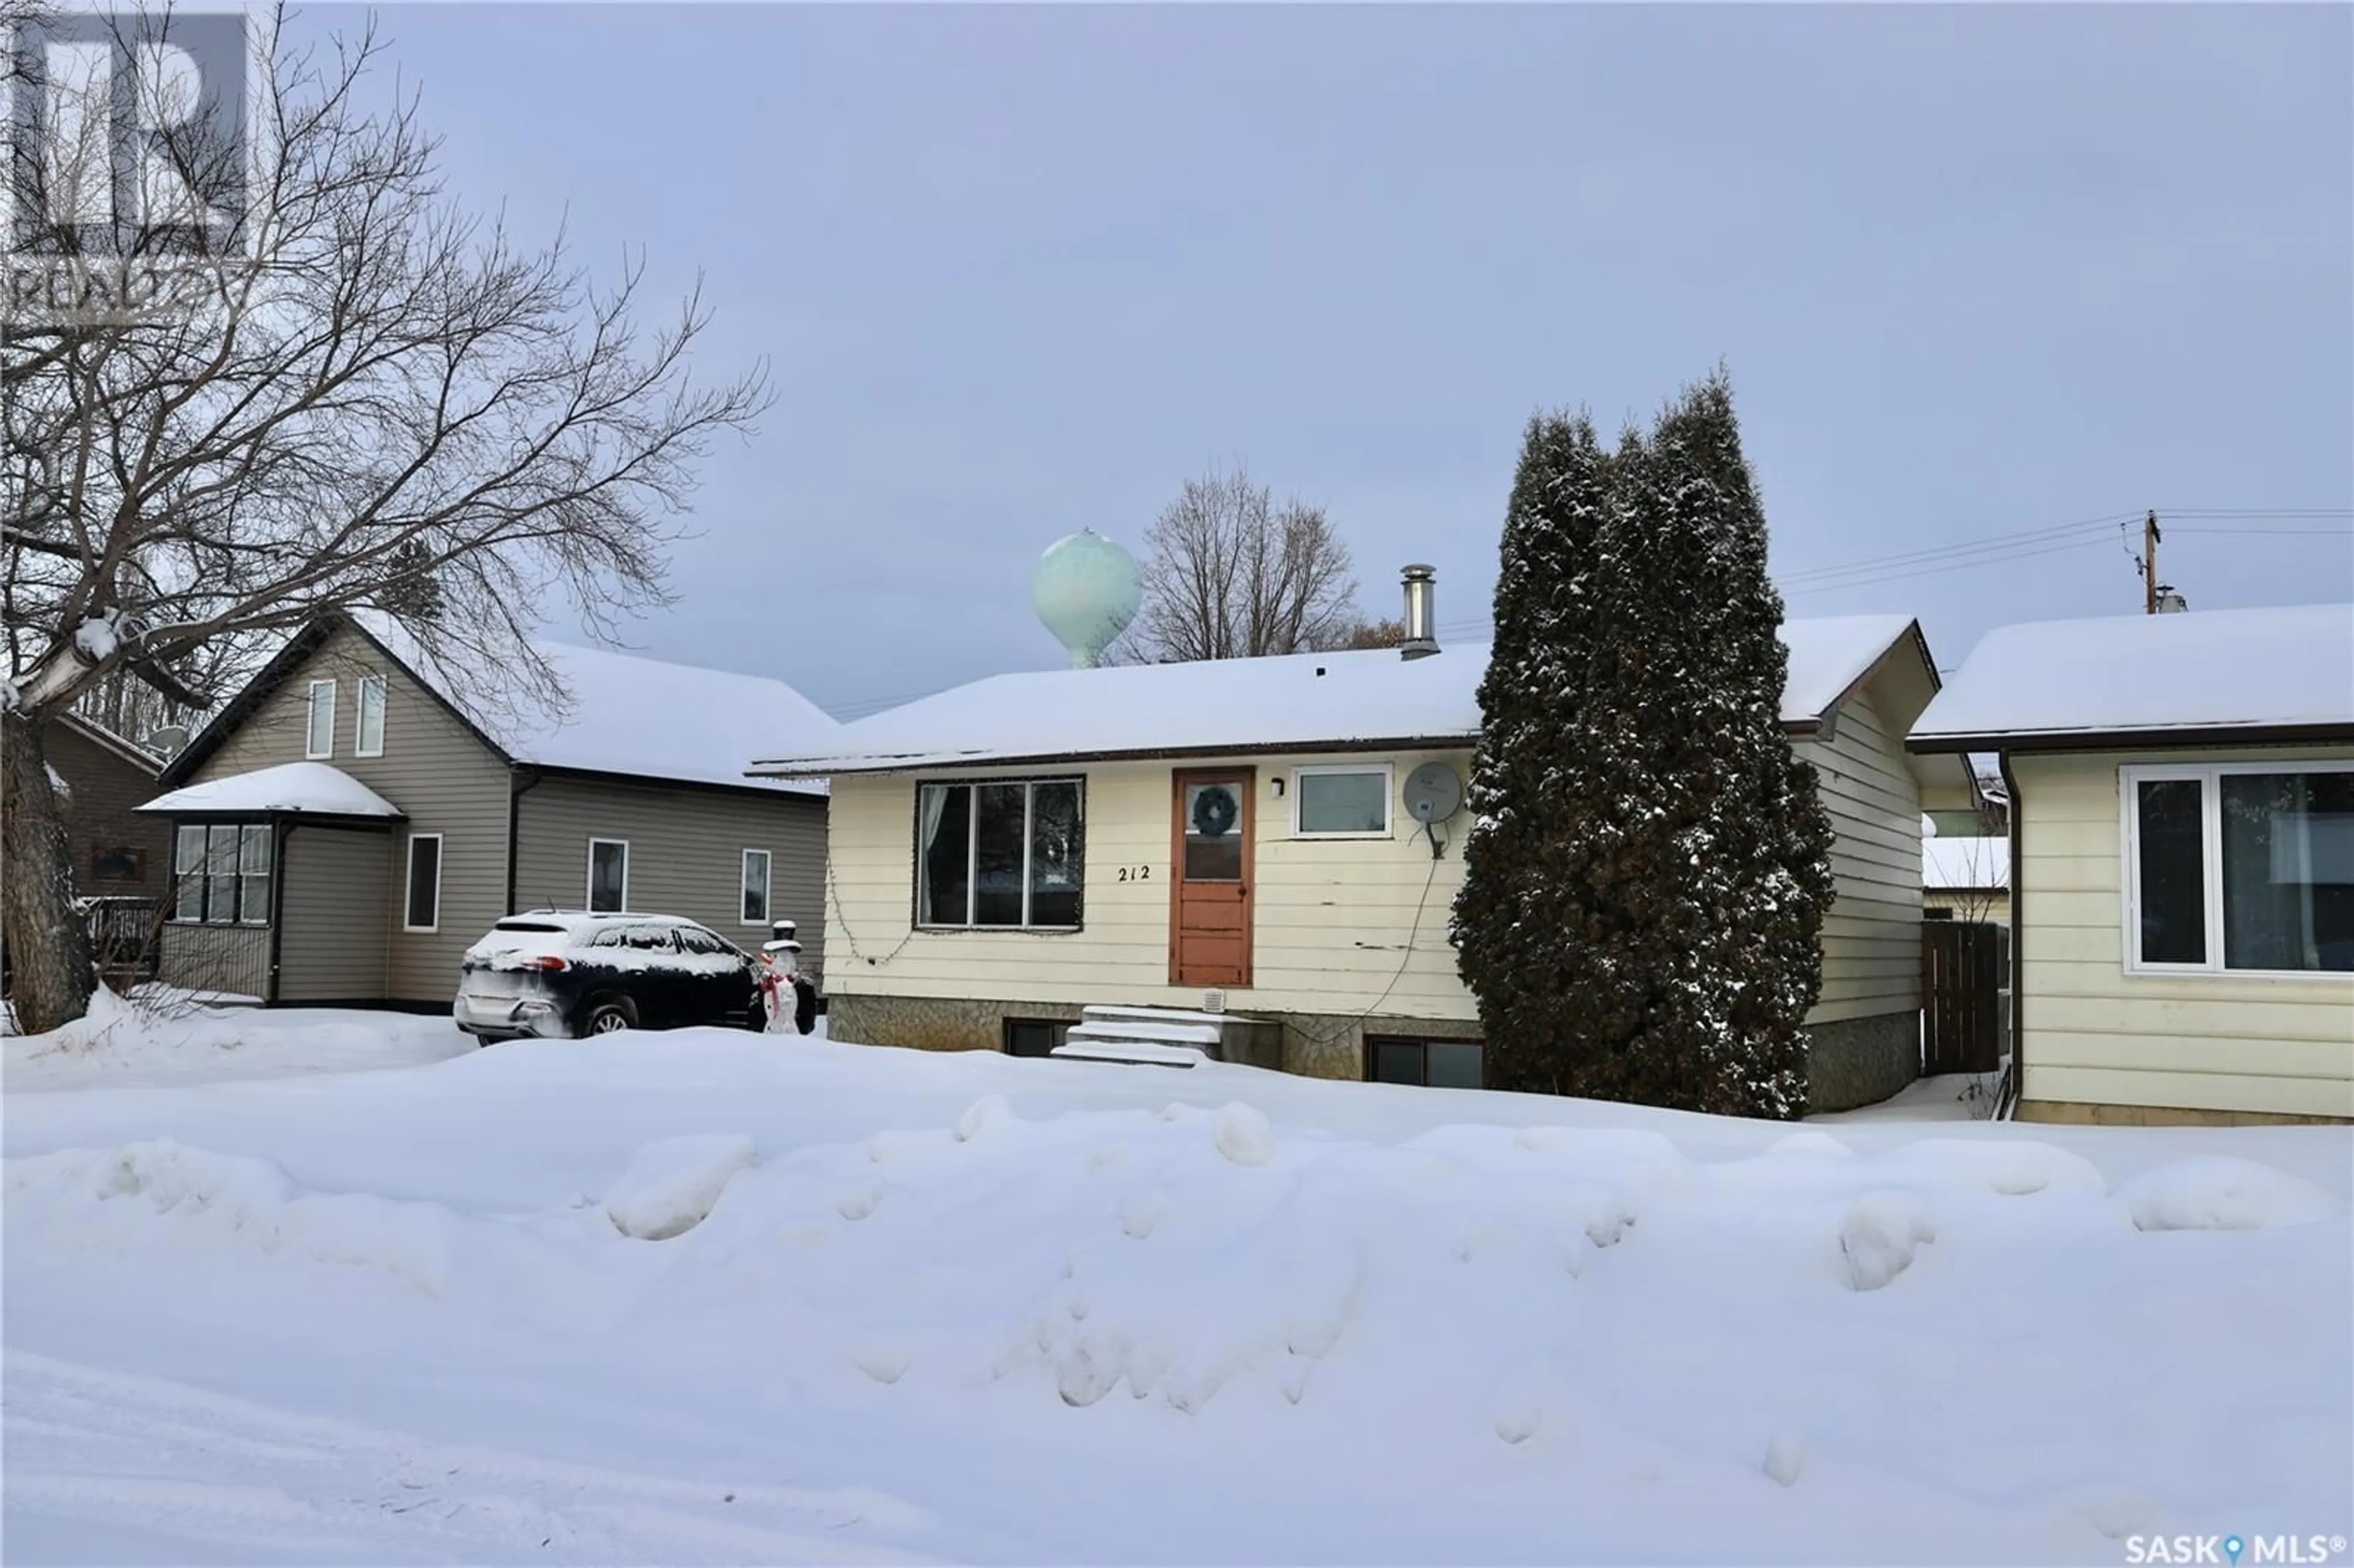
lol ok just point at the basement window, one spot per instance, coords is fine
(1435, 1064)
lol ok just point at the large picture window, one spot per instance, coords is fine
(221, 873)
(2244, 868)
(1004, 852)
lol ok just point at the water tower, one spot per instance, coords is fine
(1085, 589)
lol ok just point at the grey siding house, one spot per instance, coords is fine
(348, 824)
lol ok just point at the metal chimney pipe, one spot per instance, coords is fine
(1421, 622)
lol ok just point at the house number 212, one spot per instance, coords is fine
(1136, 874)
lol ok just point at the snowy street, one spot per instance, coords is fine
(709, 1297)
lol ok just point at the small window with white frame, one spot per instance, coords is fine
(318, 739)
(421, 909)
(754, 903)
(367, 723)
(609, 875)
(1340, 801)
(2242, 868)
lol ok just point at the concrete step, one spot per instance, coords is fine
(1137, 1029)
(1163, 1016)
(1133, 1053)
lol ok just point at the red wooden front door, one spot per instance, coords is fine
(1210, 882)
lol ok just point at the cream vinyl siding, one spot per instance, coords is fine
(1872, 938)
(1332, 917)
(435, 769)
(333, 946)
(686, 852)
(2093, 1033)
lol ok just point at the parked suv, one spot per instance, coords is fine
(567, 974)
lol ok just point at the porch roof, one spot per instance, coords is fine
(291, 788)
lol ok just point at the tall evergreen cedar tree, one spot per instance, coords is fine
(1649, 865)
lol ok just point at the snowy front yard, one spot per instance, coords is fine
(715, 1298)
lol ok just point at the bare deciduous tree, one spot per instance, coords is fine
(371, 399)
(1230, 574)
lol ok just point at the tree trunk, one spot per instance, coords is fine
(47, 941)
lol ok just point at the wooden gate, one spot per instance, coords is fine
(1961, 996)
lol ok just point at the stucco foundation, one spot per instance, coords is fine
(1861, 1061)
(933, 1024)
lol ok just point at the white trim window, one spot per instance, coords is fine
(1340, 801)
(222, 874)
(367, 723)
(318, 739)
(609, 875)
(421, 908)
(1006, 853)
(2240, 868)
(753, 906)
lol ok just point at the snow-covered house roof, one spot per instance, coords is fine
(300, 789)
(1301, 702)
(1965, 865)
(2228, 675)
(628, 717)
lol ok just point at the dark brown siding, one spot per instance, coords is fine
(100, 816)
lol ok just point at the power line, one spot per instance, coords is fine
(1997, 545)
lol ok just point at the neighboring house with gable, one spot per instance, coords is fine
(1234, 838)
(2181, 859)
(117, 852)
(352, 820)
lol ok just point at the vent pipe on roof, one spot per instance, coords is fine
(1421, 624)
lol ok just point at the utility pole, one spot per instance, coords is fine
(2149, 563)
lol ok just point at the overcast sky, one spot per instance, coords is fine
(1022, 271)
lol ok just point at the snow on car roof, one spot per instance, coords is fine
(1302, 700)
(632, 716)
(2131, 674)
(301, 788)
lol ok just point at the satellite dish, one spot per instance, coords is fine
(166, 740)
(1433, 793)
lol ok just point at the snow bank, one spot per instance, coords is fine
(124, 1042)
(1598, 1333)
(246, 1202)
(671, 1187)
(2216, 1192)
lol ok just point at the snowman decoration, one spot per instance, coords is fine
(791, 1002)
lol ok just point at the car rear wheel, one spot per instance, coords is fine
(607, 1015)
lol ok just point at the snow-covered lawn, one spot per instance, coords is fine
(116, 1044)
(718, 1298)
